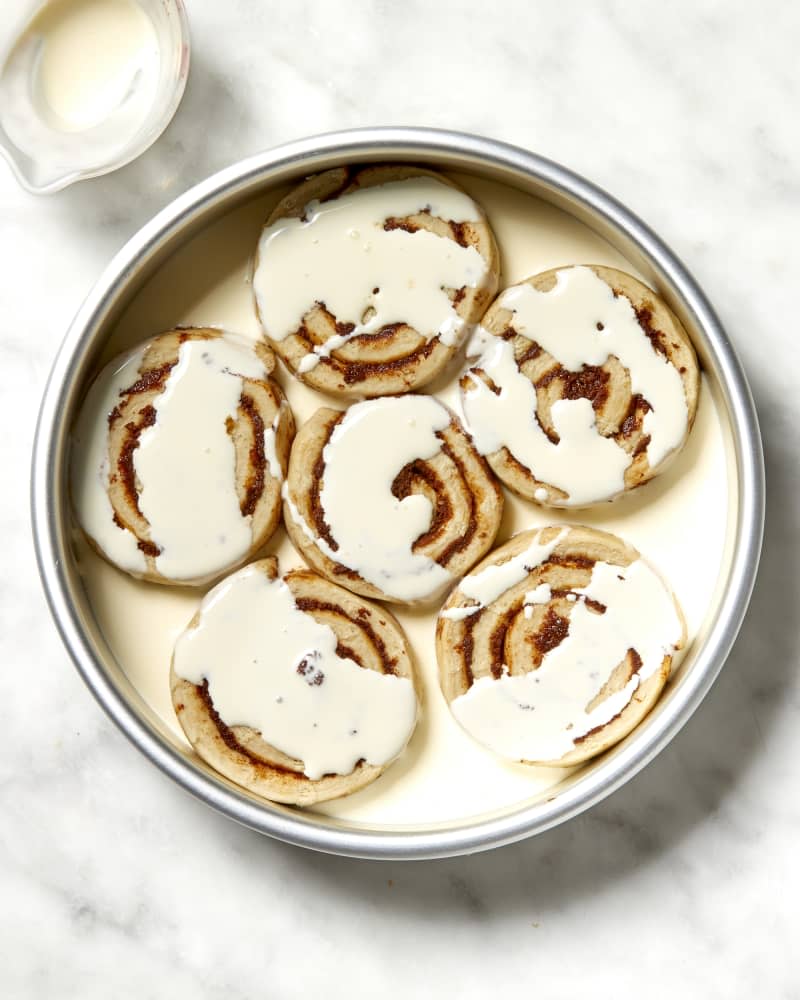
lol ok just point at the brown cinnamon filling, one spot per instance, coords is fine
(386, 332)
(403, 486)
(228, 737)
(523, 470)
(635, 667)
(153, 379)
(404, 224)
(312, 675)
(464, 540)
(254, 486)
(460, 231)
(590, 602)
(529, 354)
(317, 473)
(591, 383)
(637, 408)
(644, 316)
(125, 469)
(551, 633)
(570, 561)
(548, 432)
(311, 604)
(497, 642)
(340, 570)
(348, 653)
(358, 371)
(466, 382)
(466, 647)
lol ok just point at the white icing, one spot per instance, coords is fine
(89, 464)
(563, 321)
(248, 645)
(488, 584)
(459, 614)
(79, 84)
(584, 464)
(340, 253)
(373, 529)
(539, 715)
(539, 595)
(184, 463)
(270, 437)
(479, 341)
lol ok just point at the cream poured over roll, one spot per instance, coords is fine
(557, 645)
(293, 687)
(585, 387)
(366, 281)
(178, 456)
(390, 498)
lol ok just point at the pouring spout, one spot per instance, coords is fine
(33, 175)
(71, 110)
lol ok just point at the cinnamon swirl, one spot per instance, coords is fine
(367, 280)
(557, 645)
(292, 687)
(390, 498)
(179, 453)
(585, 387)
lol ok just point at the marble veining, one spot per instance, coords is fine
(113, 882)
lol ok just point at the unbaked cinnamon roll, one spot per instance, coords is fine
(585, 387)
(367, 279)
(292, 687)
(390, 498)
(557, 645)
(179, 454)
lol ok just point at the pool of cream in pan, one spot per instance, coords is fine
(443, 776)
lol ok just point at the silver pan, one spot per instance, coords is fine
(184, 218)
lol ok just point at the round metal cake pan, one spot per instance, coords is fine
(209, 200)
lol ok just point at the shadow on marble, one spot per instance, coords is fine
(185, 154)
(691, 783)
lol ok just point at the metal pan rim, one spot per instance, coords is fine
(452, 150)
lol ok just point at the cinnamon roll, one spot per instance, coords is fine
(557, 645)
(585, 387)
(390, 498)
(179, 453)
(292, 687)
(366, 280)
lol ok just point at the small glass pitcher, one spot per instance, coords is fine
(46, 157)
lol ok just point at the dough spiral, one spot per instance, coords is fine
(557, 645)
(390, 498)
(586, 386)
(367, 279)
(179, 454)
(292, 699)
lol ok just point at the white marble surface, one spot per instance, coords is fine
(113, 883)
